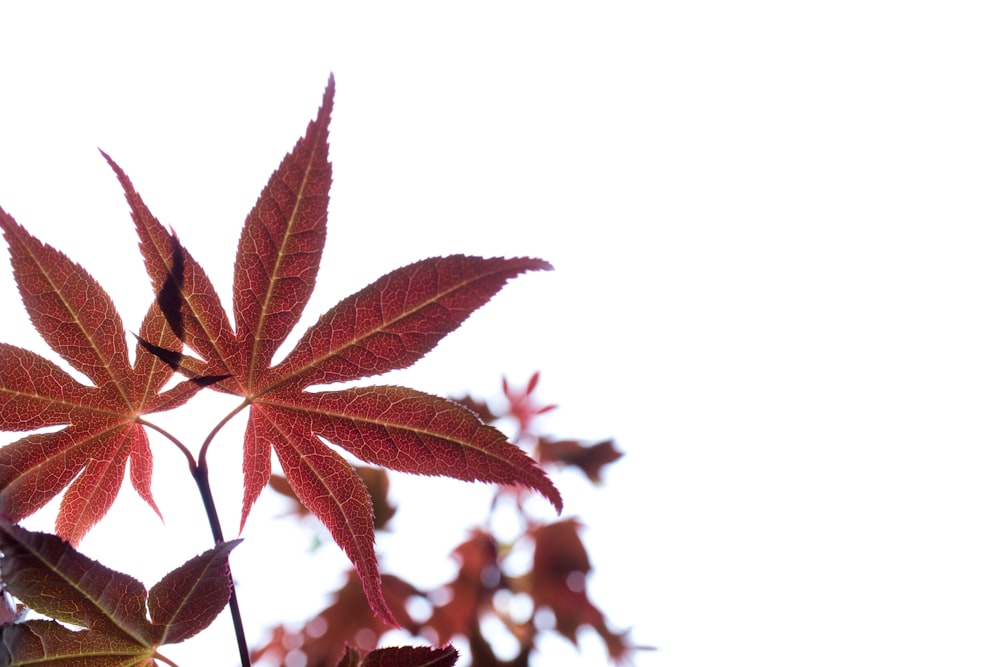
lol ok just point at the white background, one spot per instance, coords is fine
(774, 227)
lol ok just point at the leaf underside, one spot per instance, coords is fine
(386, 326)
(77, 319)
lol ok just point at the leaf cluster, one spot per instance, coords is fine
(81, 437)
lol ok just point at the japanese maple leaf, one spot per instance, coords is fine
(558, 582)
(388, 325)
(102, 422)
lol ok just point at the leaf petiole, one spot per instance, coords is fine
(203, 454)
(166, 434)
(199, 471)
(200, 474)
(164, 659)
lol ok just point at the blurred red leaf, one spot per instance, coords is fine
(478, 577)
(481, 408)
(522, 405)
(348, 621)
(351, 657)
(558, 581)
(280, 484)
(376, 480)
(590, 459)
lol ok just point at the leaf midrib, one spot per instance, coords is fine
(335, 352)
(272, 283)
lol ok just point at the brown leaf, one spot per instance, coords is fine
(471, 590)
(590, 459)
(39, 642)
(348, 621)
(558, 581)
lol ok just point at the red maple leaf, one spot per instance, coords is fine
(479, 574)
(386, 326)
(102, 423)
(590, 459)
(521, 404)
(558, 582)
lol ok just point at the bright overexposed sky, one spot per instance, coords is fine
(775, 228)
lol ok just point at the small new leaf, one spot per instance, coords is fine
(589, 459)
(558, 580)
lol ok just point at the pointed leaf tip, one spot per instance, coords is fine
(188, 599)
(331, 87)
(280, 246)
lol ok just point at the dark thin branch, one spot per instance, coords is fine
(171, 438)
(199, 470)
(200, 474)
